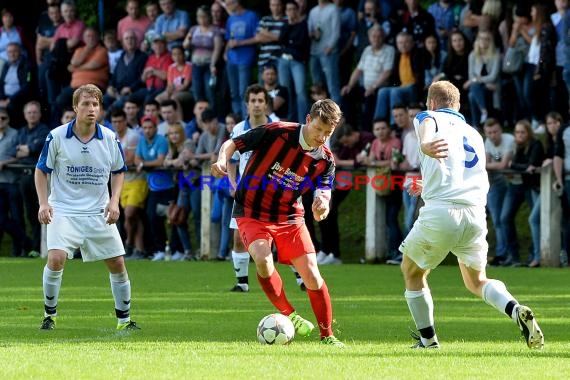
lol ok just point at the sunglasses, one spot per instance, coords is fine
(3, 117)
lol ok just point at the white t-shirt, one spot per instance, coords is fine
(461, 177)
(497, 152)
(80, 171)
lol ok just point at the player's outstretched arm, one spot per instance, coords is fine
(428, 144)
(219, 168)
(45, 211)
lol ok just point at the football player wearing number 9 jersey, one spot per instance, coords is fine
(454, 188)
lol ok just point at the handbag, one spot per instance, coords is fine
(176, 214)
(382, 181)
(513, 60)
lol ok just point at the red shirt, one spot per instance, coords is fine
(160, 63)
(278, 172)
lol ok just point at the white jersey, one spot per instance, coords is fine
(80, 171)
(461, 177)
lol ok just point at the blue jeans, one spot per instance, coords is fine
(534, 222)
(495, 201)
(239, 77)
(410, 204)
(190, 199)
(324, 69)
(393, 206)
(200, 83)
(222, 213)
(477, 101)
(514, 198)
(291, 69)
(391, 96)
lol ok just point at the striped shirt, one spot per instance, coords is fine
(278, 172)
(271, 51)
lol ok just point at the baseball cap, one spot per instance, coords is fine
(150, 118)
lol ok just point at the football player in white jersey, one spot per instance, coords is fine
(455, 186)
(81, 156)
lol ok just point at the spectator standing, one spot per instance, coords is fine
(172, 24)
(418, 22)
(446, 18)
(499, 150)
(525, 185)
(10, 197)
(134, 21)
(150, 154)
(294, 39)
(240, 51)
(205, 42)
(268, 34)
(48, 23)
(349, 142)
(135, 188)
(324, 30)
(31, 138)
(279, 94)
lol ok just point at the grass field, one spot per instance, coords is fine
(193, 327)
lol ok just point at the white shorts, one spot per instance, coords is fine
(445, 227)
(97, 239)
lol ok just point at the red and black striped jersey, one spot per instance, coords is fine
(278, 172)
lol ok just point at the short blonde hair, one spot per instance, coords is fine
(444, 94)
(89, 89)
(327, 111)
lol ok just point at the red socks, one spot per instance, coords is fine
(273, 288)
(321, 304)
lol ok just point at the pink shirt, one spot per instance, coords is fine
(139, 26)
(382, 151)
(73, 30)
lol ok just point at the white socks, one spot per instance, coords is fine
(52, 285)
(420, 304)
(241, 263)
(495, 293)
(121, 288)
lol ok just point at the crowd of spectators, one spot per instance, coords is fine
(169, 80)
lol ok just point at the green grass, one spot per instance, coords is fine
(193, 327)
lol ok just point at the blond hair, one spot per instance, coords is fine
(444, 94)
(90, 90)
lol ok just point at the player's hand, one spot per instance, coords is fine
(112, 213)
(415, 189)
(45, 213)
(436, 149)
(219, 169)
(320, 208)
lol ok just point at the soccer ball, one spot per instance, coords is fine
(275, 329)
